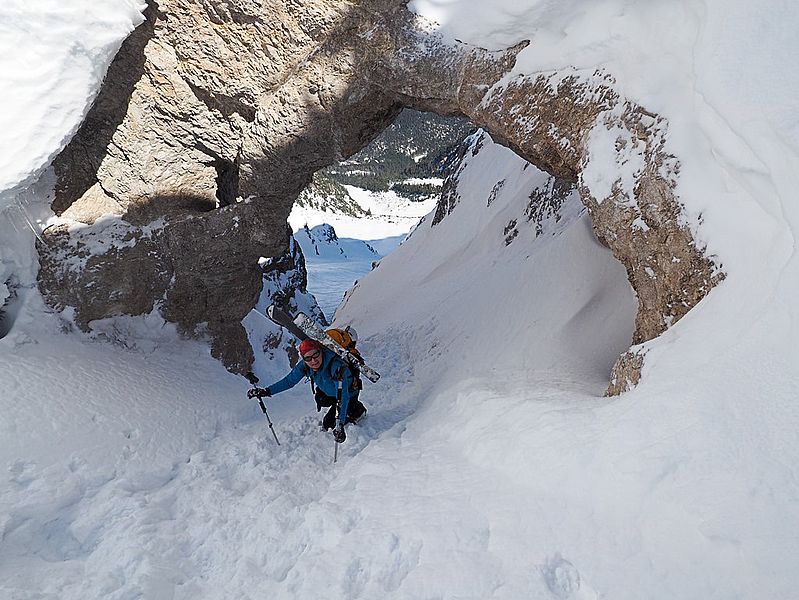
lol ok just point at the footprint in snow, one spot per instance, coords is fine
(564, 581)
(22, 473)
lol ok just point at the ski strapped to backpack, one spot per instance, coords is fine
(282, 318)
(302, 327)
(312, 330)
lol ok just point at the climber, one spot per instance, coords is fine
(333, 383)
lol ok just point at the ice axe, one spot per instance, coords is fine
(254, 381)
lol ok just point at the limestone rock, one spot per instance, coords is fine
(215, 115)
(626, 373)
(129, 267)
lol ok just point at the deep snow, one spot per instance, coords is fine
(53, 60)
(489, 466)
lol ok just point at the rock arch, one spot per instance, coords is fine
(215, 100)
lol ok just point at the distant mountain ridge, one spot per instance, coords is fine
(418, 145)
(325, 194)
(326, 244)
(411, 157)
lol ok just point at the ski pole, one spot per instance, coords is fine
(338, 414)
(268, 420)
(253, 379)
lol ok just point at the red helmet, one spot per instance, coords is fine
(309, 345)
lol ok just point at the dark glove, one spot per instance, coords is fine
(338, 433)
(257, 392)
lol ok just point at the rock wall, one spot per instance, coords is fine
(212, 118)
(552, 120)
(216, 114)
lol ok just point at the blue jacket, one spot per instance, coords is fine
(332, 373)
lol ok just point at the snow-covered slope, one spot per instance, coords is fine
(388, 215)
(474, 286)
(322, 242)
(489, 466)
(334, 263)
(579, 496)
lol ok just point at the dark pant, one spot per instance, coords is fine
(355, 409)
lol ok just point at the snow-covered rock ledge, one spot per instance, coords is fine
(195, 124)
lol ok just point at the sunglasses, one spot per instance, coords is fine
(312, 356)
